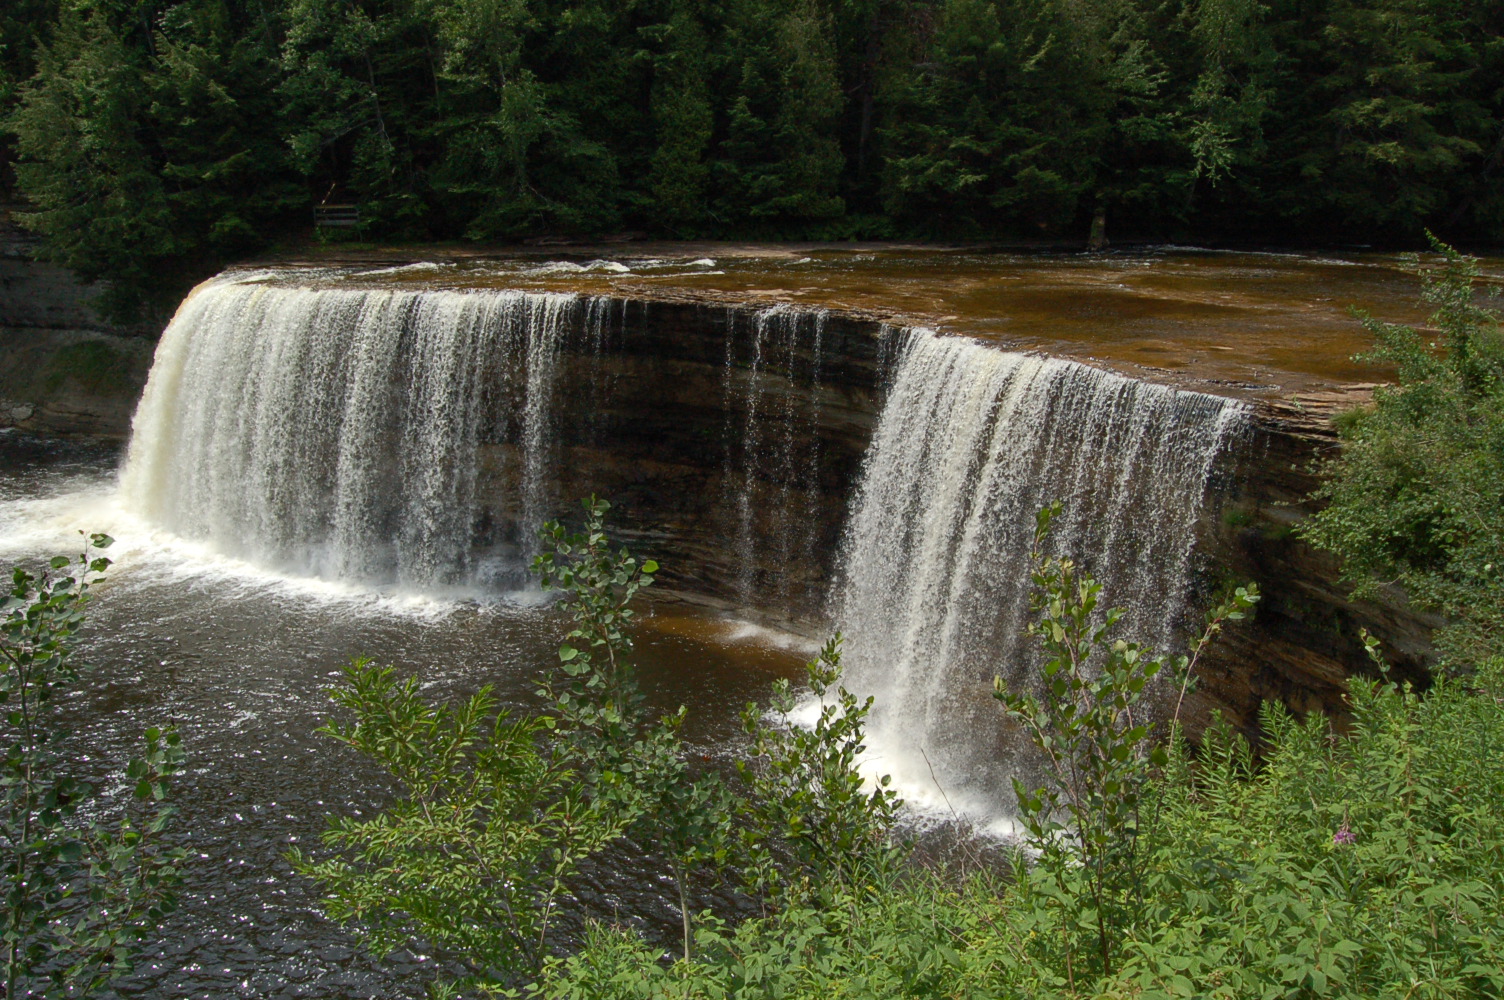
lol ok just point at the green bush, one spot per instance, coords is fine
(1415, 496)
(1085, 825)
(473, 856)
(79, 896)
(814, 828)
(493, 817)
(1363, 861)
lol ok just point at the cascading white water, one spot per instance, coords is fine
(773, 454)
(971, 443)
(412, 438)
(345, 432)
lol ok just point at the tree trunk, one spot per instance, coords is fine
(1098, 238)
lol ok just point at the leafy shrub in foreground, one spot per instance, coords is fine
(493, 817)
(1357, 862)
(814, 827)
(1085, 825)
(474, 855)
(77, 897)
(1415, 496)
(1250, 891)
(1364, 864)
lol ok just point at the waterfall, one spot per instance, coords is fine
(417, 438)
(771, 402)
(971, 442)
(350, 433)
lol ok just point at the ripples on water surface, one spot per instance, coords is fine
(1242, 322)
(241, 660)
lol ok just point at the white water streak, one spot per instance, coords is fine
(971, 443)
(345, 433)
(772, 463)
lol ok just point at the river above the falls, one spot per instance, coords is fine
(241, 660)
(1253, 324)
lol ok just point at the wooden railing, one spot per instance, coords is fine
(336, 216)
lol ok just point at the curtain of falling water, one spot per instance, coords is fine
(345, 433)
(934, 598)
(373, 435)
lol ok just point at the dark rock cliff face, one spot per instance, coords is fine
(730, 454)
(664, 416)
(63, 370)
(1305, 641)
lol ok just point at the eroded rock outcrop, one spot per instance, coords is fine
(63, 369)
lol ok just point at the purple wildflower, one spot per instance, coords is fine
(1344, 836)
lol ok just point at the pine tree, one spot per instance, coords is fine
(230, 182)
(780, 165)
(87, 163)
(358, 87)
(24, 25)
(684, 120)
(1381, 113)
(977, 143)
(150, 147)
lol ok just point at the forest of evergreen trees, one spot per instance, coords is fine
(155, 139)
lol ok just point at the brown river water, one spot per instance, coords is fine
(1241, 323)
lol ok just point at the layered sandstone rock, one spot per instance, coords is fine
(63, 369)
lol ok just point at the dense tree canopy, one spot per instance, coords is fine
(158, 138)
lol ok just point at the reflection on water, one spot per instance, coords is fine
(1243, 323)
(240, 661)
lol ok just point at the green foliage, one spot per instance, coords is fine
(102, 203)
(815, 828)
(492, 817)
(684, 119)
(636, 765)
(1355, 863)
(925, 935)
(79, 896)
(1400, 93)
(22, 24)
(96, 365)
(1351, 865)
(598, 703)
(1085, 824)
(1415, 495)
(472, 855)
(149, 157)
(781, 161)
(156, 139)
(971, 138)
